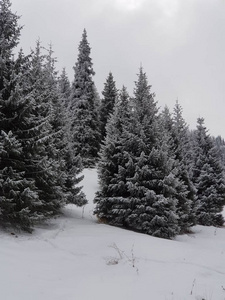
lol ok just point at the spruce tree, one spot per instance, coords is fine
(108, 102)
(32, 170)
(9, 33)
(141, 187)
(166, 121)
(85, 119)
(153, 186)
(152, 190)
(113, 195)
(64, 88)
(68, 165)
(209, 180)
(18, 195)
(145, 109)
(220, 144)
(37, 137)
(181, 149)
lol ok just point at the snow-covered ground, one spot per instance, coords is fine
(76, 258)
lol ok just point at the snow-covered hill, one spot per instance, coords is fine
(76, 258)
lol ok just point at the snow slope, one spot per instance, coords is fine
(75, 258)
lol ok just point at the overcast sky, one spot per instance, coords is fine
(180, 44)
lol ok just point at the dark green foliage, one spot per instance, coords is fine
(113, 196)
(137, 179)
(68, 165)
(37, 139)
(208, 175)
(9, 33)
(152, 179)
(64, 88)
(153, 188)
(220, 145)
(34, 179)
(18, 195)
(145, 109)
(108, 102)
(85, 119)
(186, 195)
(155, 173)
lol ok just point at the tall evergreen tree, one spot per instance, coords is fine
(112, 202)
(208, 175)
(182, 154)
(37, 136)
(154, 183)
(85, 124)
(10, 33)
(145, 109)
(140, 193)
(64, 88)
(108, 102)
(69, 166)
(33, 175)
(166, 120)
(18, 194)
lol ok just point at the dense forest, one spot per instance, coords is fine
(156, 176)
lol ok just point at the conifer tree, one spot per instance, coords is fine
(220, 144)
(108, 102)
(9, 33)
(18, 194)
(32, 168)
(64, 88)
(71, 160)
(153, 186)
(208, 175)
(166, 121)
(37, 136)
(68, 165)
(145, 109)
(85, 119)
(113, 194)
(181, 149)
(140, 193)
(19, 197)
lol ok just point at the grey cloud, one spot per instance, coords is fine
(179, 43)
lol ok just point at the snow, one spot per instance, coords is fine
(76, 258)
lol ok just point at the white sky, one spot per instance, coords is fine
(180, 44)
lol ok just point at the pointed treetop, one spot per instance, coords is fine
(179, 122)
(84, 61)
(110, 89)
(166, 119)
(142, 88)
(143, 101)
(9, 28)
(200, 121)
(84, 33)
(201, 128)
